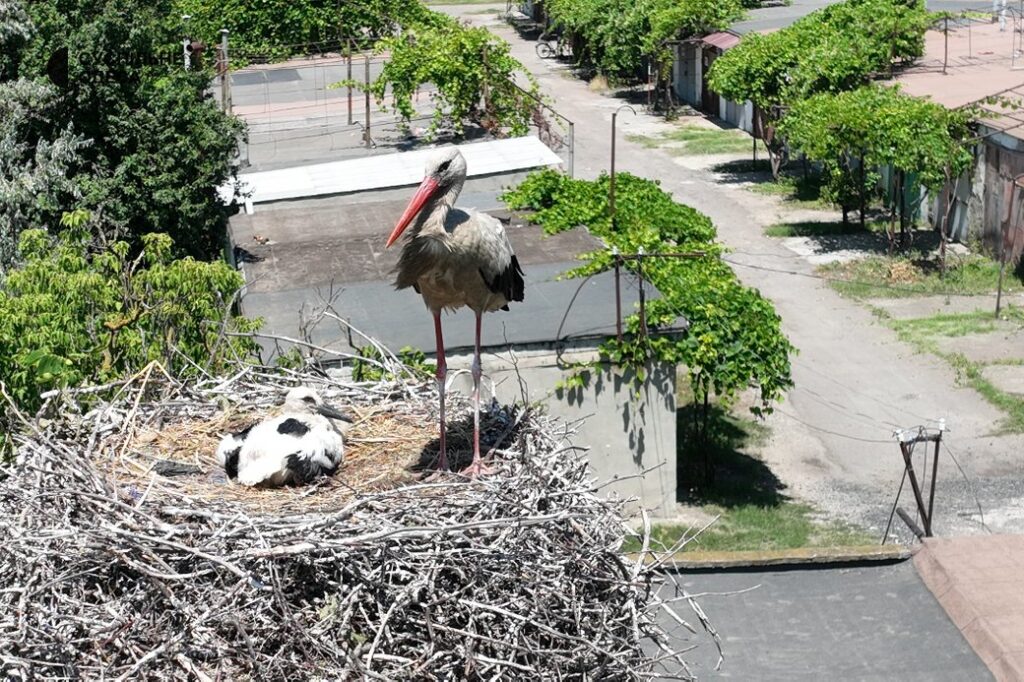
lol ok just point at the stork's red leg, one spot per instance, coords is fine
(476, 468)
(442, 372)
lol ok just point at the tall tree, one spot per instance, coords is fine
(159, 145)
(838, 48)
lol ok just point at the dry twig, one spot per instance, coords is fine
(110, 571)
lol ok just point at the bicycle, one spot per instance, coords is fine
(552, 46)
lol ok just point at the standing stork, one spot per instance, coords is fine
(455, 258)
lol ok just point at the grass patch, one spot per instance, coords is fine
(748, 527)
(1011, 405)
(795, 189)
(698, 141)
(818, 228)
(754, 511)
(921, 333)
(903, 276)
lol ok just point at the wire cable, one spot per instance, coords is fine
(970, 486)
(832, 433)
(895, 503)
(872, 285)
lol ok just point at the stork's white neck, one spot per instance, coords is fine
(433, 217)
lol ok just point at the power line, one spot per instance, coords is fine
(830, 432)
(970, 486)
(873, 285)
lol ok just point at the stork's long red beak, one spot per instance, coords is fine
(425, 191)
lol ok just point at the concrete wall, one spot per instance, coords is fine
(740, 115)
(982, 209)
(687, 81)
(627, 431)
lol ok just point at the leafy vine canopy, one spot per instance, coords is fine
(833, 49)
(735, 338)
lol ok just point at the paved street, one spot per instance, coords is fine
(873, 623)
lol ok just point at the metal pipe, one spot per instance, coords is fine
(618, 294)
(348, 60)
(918, 497)
(572, 148)
(935, 473)
(643, 307)
(914, 528)
(366, 130)
(225, 78)
(611, 179)
(611, 176)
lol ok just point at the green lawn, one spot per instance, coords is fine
(818, 228)
(754, 511)
(789, 525)
(698, 141)
(902, 276)
(803, 192)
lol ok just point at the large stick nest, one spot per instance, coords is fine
(109, 569)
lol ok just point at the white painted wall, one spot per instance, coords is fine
(687, 73)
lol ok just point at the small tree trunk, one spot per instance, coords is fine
(862, 192)
(903, 211)
(709, 470)
(891, 232)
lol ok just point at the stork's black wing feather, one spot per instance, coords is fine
(305, 469)
(509, 283)
(231, 463)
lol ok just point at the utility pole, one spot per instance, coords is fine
(225, 78)
(611, 179)
(907, 441)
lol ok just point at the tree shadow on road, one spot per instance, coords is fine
(738, 478)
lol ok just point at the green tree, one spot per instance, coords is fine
(618, 37)
(69, 315)
(36, 173)
(735, 338)
(15, 29)
(159, 145)
(474, 74)
(856, 131)
(277, 29)
(835, 49)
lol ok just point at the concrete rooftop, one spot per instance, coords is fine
(980, 582)
(295, 254)
(980, 60)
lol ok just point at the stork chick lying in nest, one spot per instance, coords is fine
(295, 447)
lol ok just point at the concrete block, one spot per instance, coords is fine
(629, 429)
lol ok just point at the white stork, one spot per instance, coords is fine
(297, 446)
(455, 258)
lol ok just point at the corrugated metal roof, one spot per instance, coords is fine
(722, 40)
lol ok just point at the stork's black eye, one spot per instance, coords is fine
(309, 399)
(444, 166)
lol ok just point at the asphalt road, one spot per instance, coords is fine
(864, 624)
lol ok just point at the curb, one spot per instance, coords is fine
(817, 557)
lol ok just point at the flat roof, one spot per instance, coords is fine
(299, 254)
(975, 61)
(388, 170)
